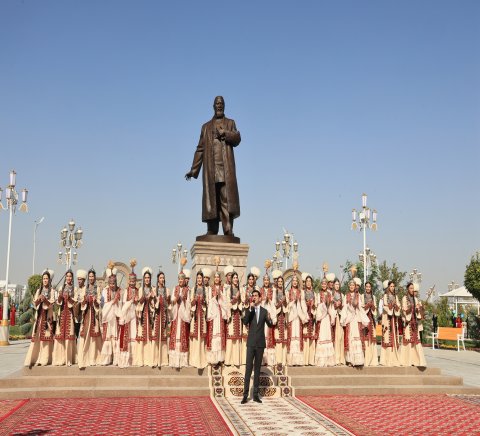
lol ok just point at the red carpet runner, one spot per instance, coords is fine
(107, 416)
(401, 414)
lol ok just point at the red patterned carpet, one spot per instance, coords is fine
(7, 407)
(108, 416)
(400, 414)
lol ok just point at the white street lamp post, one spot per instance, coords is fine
(416, 279)
(12, 201)
(177, 255)
(416, 276)
(371, 260)
(363, 223)
(37, 223)
(70, 239)
(289, 249)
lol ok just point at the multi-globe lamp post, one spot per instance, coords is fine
(416, 279)
(177, 256)
(365, 219)
(369, 262)
(12, 199)
(70, 239)
(285, 250)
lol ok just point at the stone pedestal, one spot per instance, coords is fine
(203, 255)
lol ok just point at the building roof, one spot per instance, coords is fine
(458, 292)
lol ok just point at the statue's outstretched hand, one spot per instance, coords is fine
(188, 176)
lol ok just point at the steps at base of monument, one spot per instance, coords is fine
(111, 370)
(385, 390)
(103, 392)
(126, 381)
(104, 381)
(320, 381)
(347, 370)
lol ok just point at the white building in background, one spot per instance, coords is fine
(461, 295)
(17, 292)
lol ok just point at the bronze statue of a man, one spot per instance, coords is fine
(215, 151)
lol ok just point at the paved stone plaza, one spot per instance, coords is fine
(308, 415)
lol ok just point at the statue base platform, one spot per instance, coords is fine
(226, 239)
(203, 254)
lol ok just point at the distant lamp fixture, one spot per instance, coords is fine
(365, 219)
(70, 239)
(177, 255)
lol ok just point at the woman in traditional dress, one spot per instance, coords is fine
(216, 318)
(389, 355)
(324, 352)
(111, 302)
(233, 350)
(297, 316)
(411, 350)
(128, 321)
(41, 346)
(179, 313)
(309, 332)
(65, 343)
(353, 319)
(146, 348)
(369, 304)
(161, 319)
(336, 308)
(280, 328)
(267, 293)
(90, 341)
(198, 324)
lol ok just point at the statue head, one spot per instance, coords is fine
(219, 107)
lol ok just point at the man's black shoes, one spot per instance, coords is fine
(257, 400)
(244, 400)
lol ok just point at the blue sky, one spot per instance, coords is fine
(102, 104)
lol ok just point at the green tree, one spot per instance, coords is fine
(472, 276)
(372, 277)
(390, 273)
(34, 283)
(26, 306)
(443, 312)
(317, 284)
(473, 323)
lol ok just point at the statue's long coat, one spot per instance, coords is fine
(204, 155)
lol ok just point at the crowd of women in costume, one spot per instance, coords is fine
(201, 324)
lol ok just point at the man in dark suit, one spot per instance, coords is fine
(255, 317)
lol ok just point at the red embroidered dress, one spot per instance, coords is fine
(65, 344)
(309, 330)
(128, 328)
(216, 327)
(297, 316)
(234, 327)
(161, 317)
(235, 321)
(89, 342)
(179, 328)
(111, 312)
(126, 334)
(40, 349)
(90, 319)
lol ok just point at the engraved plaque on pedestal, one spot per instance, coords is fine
(203, 255)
